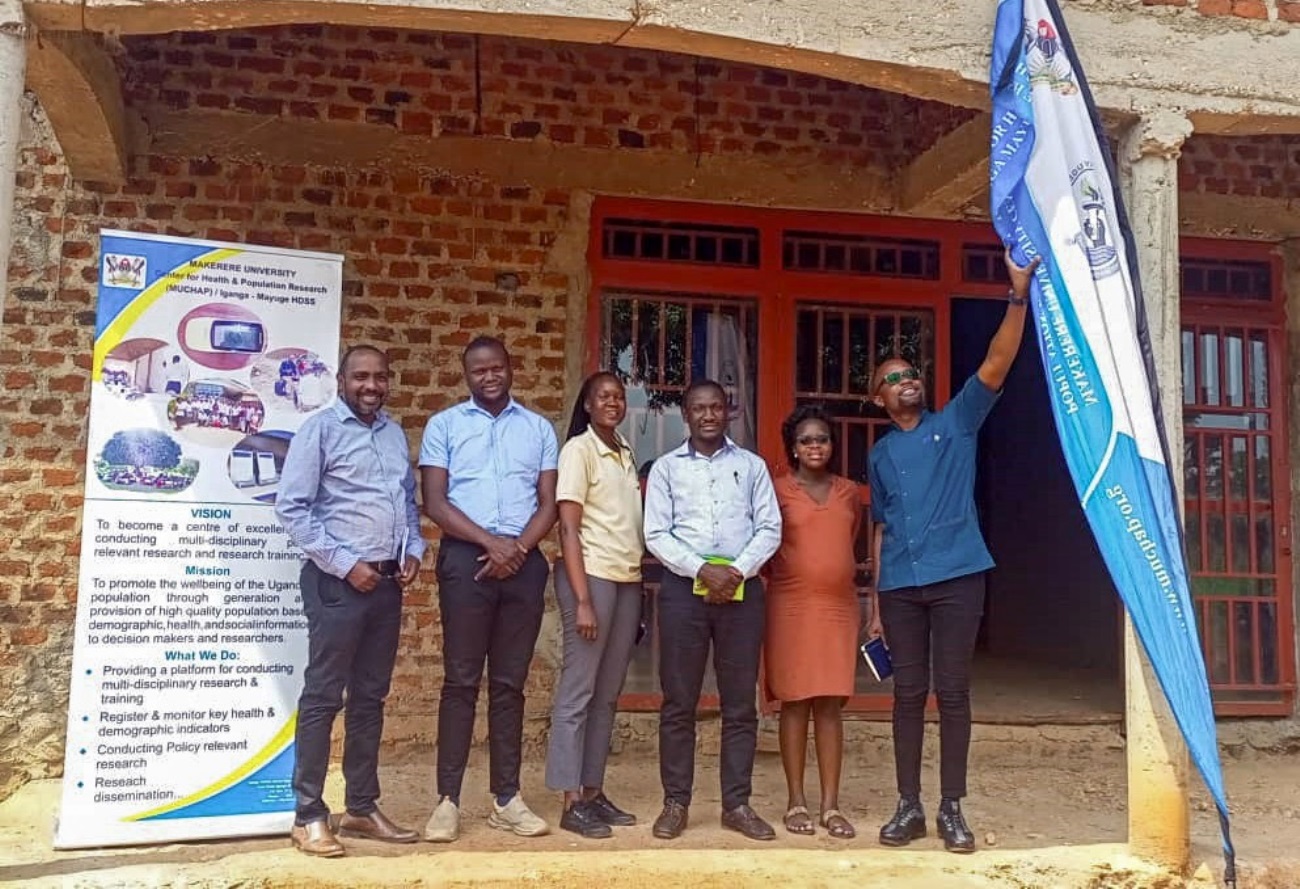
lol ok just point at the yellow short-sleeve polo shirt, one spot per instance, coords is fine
(604, 481)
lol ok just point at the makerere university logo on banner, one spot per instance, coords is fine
(1054, 196)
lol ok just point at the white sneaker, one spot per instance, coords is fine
(516, 817)
(444, 823)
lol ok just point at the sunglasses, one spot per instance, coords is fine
(807, 440)
(894, 377)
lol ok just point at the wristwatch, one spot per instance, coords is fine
(1017, 300)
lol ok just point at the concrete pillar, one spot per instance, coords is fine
(1158, 817)
(13, 64)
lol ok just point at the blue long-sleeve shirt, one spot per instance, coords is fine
(347, 491)
(723, 505)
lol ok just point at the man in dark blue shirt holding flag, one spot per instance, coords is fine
(930, 558)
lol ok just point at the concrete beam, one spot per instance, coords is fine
(78, 86)
(1137, 60)
(748, 179)
(950, 175)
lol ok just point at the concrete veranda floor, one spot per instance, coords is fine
(1043, 823)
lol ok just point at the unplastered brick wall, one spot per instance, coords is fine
(1246, 166)
(427, 84)
(1256, 10)
(431, 261)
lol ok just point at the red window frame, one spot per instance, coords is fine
(1270, 316)
(778, 294)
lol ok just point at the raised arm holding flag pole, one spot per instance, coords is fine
(1054, 196)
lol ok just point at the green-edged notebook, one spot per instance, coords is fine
(702, 590)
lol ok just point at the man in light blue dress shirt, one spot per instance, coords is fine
(488, 473)
(347, 499)
(712, 519)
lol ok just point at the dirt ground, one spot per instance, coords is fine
(1045, 821)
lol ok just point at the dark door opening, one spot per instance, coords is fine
(1049, 647)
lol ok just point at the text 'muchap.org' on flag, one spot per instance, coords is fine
(1054, 195)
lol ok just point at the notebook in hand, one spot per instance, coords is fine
(876, 655)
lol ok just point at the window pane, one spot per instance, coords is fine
(1241, 543)
(1264, 543)
(1215, 545)
(1220, 671)
(1189, 367)
(1259, 369)
(806, 365)
(1234, 365)
(1266, 614)
(1210, 368)
(1194, 549)
(659, 342)
(1213, 466)
(1238, 468)
(1263, 469)
(1243, 625)
(832, 355)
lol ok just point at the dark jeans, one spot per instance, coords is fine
(940, 620)
(352, 645)
(496, 620)
(686, 627)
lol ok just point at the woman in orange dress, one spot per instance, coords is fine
(813, 620)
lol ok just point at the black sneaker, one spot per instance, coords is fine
(580, 819)
(609, 813)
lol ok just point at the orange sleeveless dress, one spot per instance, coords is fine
(813, 619)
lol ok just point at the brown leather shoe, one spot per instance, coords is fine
(375, 826)
(671, 821)
(316, 839)
(744, 820)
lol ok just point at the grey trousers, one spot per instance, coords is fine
(582, 718)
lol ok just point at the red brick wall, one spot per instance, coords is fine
(1259, 10)
(423, 84)
(1250, 166)
(423, 255)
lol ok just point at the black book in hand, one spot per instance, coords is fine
(876, 655)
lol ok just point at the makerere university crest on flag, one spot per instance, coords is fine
(1054, 195)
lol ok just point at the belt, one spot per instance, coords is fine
(387, 567)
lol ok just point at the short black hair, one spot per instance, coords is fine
(485, 342)
(359, 347)
(698, 385)
(801, 415)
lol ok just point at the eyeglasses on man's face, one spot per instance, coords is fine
(894, 377)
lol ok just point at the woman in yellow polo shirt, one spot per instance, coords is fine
(598, 587)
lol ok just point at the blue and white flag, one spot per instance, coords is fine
(1054, 195)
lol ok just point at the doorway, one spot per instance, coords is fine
(1049, 646)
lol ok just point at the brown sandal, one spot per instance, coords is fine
(798, 821)
(837, 825)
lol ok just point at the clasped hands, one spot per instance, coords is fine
(720, 581)
(502, 557)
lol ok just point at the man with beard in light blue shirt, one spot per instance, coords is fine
(347, 500)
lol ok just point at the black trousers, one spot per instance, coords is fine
(497, 621)
(938, 624)
(352, 645)
(687, 626)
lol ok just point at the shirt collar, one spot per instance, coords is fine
(469, 405)
(345, 413)
(687, 451)
(604, 449)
